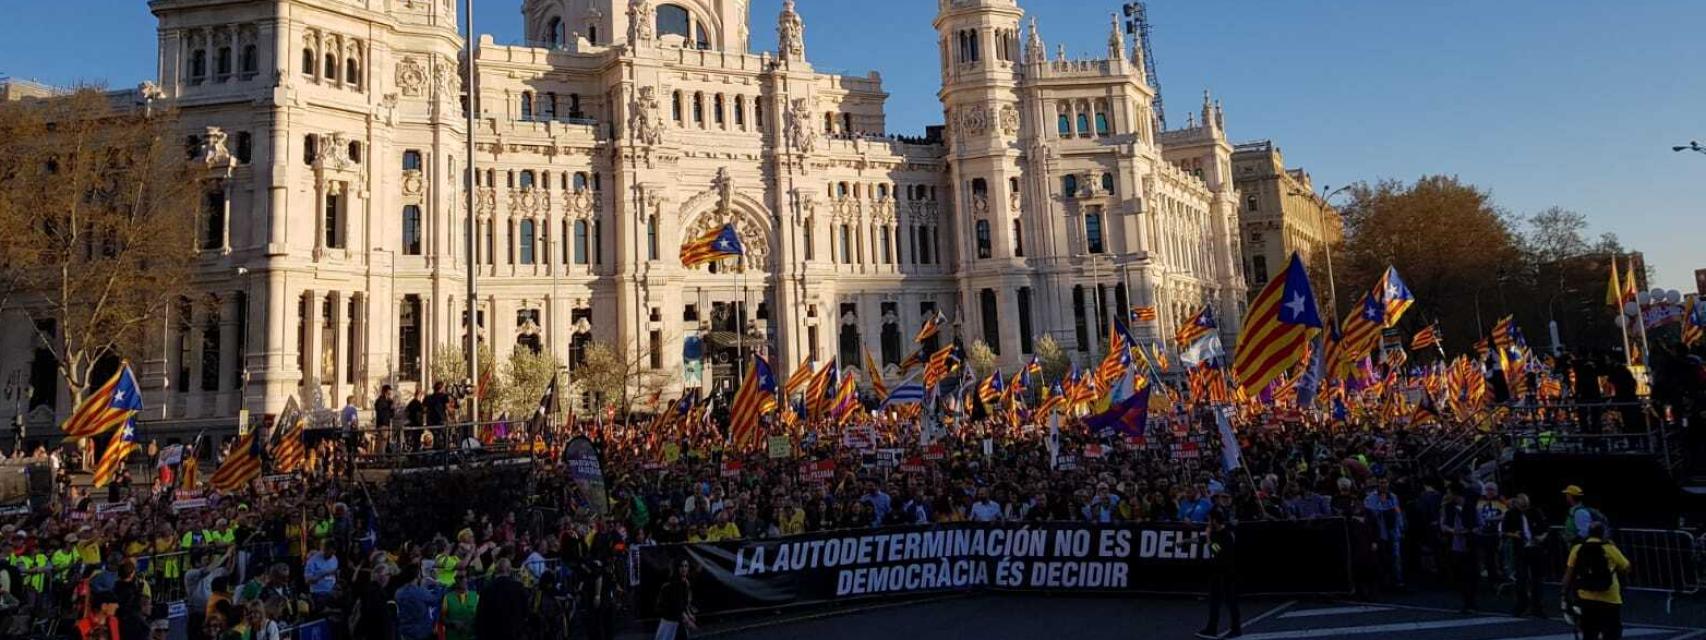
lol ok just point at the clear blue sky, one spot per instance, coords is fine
(1574, 103)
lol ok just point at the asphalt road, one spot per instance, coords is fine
(987, 616)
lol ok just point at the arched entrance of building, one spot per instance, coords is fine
(733, 301)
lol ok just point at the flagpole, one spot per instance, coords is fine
(473, 320)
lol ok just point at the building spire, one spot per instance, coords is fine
(1035, 50)
(1207, 109)
(1116, 38)
(790, 34)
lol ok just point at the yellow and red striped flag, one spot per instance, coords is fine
(123, 444)
(1144, 314)
(1281, 320)
(716, 244)
(757, 396)
(109, 406)
(875, 373)
(817, 393)
(1427, 338)
(801, 376)
(240, 466)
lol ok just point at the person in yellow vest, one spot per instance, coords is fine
(445, 567)
(31, 564)
(457, 610)
(63, 558)
(170, 564)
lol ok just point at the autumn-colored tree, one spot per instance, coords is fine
(981, 359)
(1456, 250)
(98, 215)
(1053, 358)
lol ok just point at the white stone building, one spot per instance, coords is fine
(336, 253)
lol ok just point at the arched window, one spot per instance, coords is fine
(331, 67)
(411, 230)
(554, 34)
(527, 242)
(983, 239)
(250, 61)
(740, 111)
(527, 105)
(1108, 182)
(308, 62)
(352, 73)
(717, 109)
(310, 149)
(699, 108)
(550, 106)
(1069, 185)
(847, 123)
(1084, 125)
(673, 19)
(222, 62)
(592, 34)
(979, 187)
(1102, 124)
(675, 106)
(581, 242)
(198, 64)
(527, 179)
(580, 181)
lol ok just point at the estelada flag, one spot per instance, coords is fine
(716, 244)
(756, 397)
(1281, 320)
(109, 406)
(240, 467)
(118, 450)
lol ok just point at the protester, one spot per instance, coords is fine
(1591, 578)
(1526, 529)
(1458, 521)
(1222, 534)
(675, 604)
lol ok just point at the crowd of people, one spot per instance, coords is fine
(487, 550)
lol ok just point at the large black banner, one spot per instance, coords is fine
(1281, 557)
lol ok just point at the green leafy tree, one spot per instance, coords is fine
(1052, 357)
(526, 375)
(450, 366)
(980, 358)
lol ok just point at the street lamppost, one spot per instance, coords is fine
(1693, 145)
(1322, 202)
(18, 389)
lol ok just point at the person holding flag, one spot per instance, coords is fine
(118, 450)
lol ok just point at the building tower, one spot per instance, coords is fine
(980, 60)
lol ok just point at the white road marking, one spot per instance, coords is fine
(1378, 628)
(1269, 613)
(1333, 611)
(1627, 633)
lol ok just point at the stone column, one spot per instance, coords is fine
(310, 348)
(229, 359)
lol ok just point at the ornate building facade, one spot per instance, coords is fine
(1279, 213)
(333, 133)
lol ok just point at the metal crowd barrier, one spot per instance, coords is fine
(1661, 560)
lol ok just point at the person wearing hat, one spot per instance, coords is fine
(1580, 516)
(1591, 581)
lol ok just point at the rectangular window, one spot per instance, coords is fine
(991, 319)
(1093, 232)
(983, 239)
(846, 245)
(581, 242)
(891, 333)
(210, 353)
(1025, 337)
(806, 239)
(888, 247)
(1080, 328)
(352, 337)
(1018, 239)
(652, 238)
(334, 221)
(213, 236)
(922, 251)
(409, 338)
(183, 378)
(411, 230)
(245, 146)
(811, 342)
(528, 240)
(654, 344)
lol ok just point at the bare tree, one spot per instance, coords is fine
(97, 225)
(615, 376)
(1052, 357)
(981, 359)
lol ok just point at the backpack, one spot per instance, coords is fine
(1593, 568)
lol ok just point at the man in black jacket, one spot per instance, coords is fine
(502, 611)
(1457, 523)
(1527, 529)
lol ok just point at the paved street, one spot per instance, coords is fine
(988, 616)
